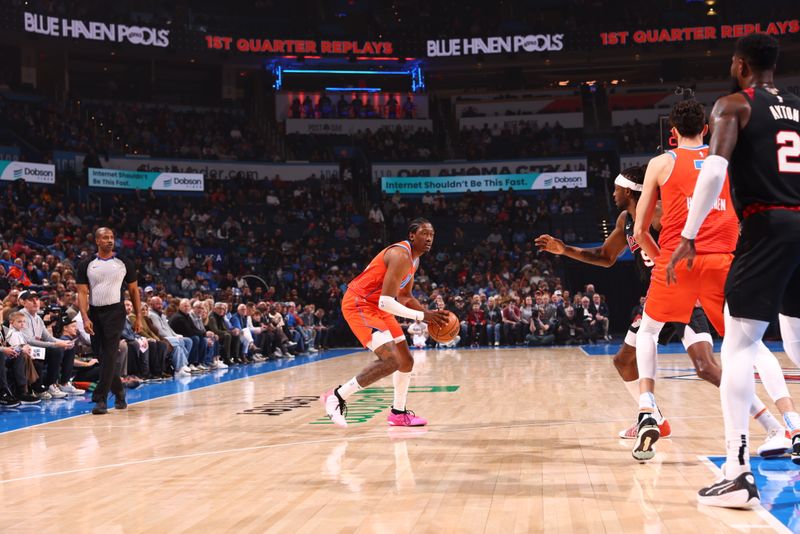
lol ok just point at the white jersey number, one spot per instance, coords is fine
(646, 259)
(789, 143)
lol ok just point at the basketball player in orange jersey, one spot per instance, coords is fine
(695, 335)
(675, 174)
(370, 304)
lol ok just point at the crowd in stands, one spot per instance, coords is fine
(542, 317)
(523, 140)
(381, 144)
(138, 129)
(357, 108)
(638, 138)
(230, 134)
(473, 112)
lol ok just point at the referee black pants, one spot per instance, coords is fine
(108, 322)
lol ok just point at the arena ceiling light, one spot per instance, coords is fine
(334, 71)
(353, 89)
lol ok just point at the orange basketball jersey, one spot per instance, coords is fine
(369, 283)
(719, 231)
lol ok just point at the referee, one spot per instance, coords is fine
(100, 279)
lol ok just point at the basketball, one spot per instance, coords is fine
(446, 333)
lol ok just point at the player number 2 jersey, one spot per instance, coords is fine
(719, 231)
(765, 165)
(369, 283)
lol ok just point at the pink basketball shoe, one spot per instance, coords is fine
(406, 418)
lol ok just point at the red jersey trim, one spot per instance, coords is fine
(752, 209)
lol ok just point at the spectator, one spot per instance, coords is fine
(539, 332)
(182, 324)
(159, 348)
(494, 321)
(59, 358)
(599, 310)
(419, 334)
(230, 346)
(181, 346)
(16, 354)
(476, 321)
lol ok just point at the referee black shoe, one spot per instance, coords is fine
(646, 435)
(741, 492)
(100, 408)
(119, 402)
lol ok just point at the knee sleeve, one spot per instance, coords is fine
(771, 374)
(646, 340)
(790, 332)
(690, 337)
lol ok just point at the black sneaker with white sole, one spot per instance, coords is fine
(741, 492)
(796, 449)
(646, 436)
(7, 400)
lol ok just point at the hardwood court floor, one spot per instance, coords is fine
(521, 441)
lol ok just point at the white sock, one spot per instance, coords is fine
(647, 402)
(347, 389)
(737, 389)
(792, 420)
(790, 332)
(767, 421)
(737, 459)
(401, 382)
(633, 388)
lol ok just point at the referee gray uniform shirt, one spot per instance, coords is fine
(107, 280)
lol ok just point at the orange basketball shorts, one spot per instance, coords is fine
(704, 282)
(365, 318)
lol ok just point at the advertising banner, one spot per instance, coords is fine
(471, 168)
(697, 33)
(35, 173)
(298, 46)
(497, 182)
(471, 46)
(95, 31)
(350, 126)
(228, 170)
(157, 181)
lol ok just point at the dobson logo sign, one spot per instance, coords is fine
(157, 181)
(35, 173)
(498, 182)
(95, 31)
(496, 45)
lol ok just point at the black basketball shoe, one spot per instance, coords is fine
(741, 492)
(646, 435)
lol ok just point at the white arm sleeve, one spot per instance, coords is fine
(390, 304)
(706, 192)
